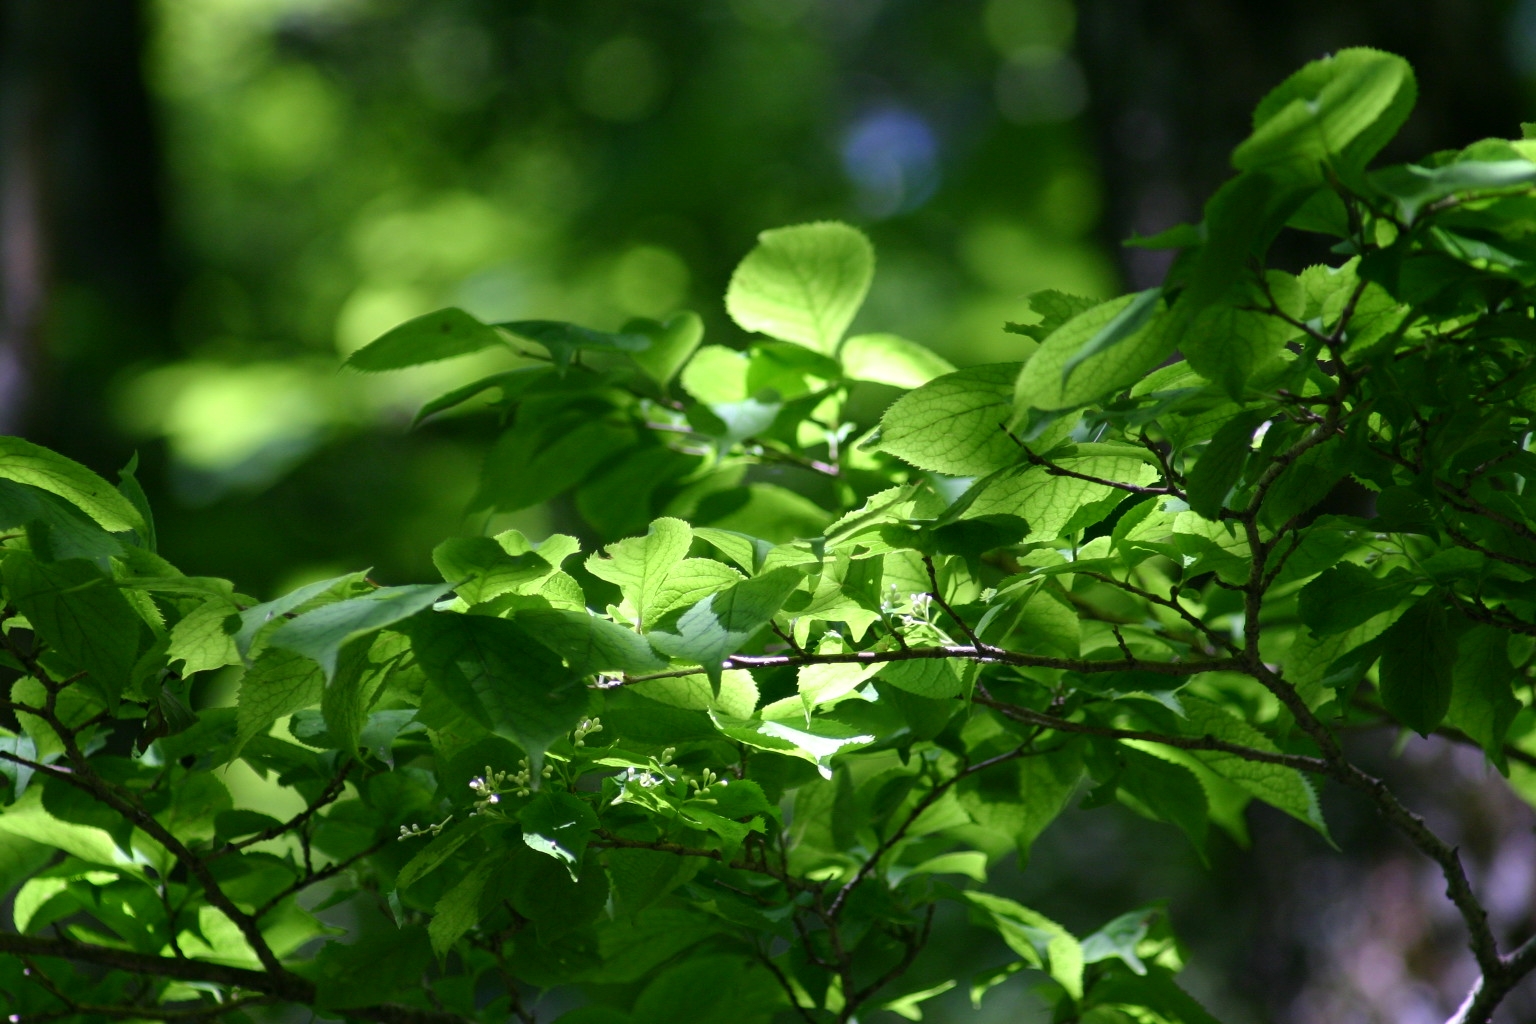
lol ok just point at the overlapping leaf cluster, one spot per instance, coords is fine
(825, 673)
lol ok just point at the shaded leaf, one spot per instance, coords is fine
(320, 634)
(565, 341)
(500, 677)
(673, 342)
(1348, 595)
(81, 616)
(425, 339)
(558, 825)
(590, 643)
(1417, 666)
(716, 627)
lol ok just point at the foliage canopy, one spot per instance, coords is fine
(725, 766)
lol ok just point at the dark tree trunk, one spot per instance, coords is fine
(84, 282)
(1175, 82)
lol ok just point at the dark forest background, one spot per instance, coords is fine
(204, 204)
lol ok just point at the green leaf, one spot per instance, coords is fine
(1155, 991)
(1283, 788)
(543, 456)
(254, 618)
(717, 626)
(672, 343)
(437, 852)
(361, 671)
(926, 677)
(1054, 308)
(1413, 187)
(26, 819)
(1227, 343)
(970, 863)
(955, 424)
(20, 859)
(565, 341)
(1483, 704)
(1122, 328)
(129, 487)
(55, 528)
(1048, 502)
(1338, 111)
(320, 634)
(426, 339)
(1017, 803)
(558, 825)
(36, 466)
(1166, 791)
(802, 284)
(479, 568)
(1418, 665)
(82, 617)
(543, 892)
(909, 1006)
(820, 684)
(818, 741)
(460, 908)
(1241, 220)
(1119, 938)
(1040, 941)
(510, 383)
(746, 551)
(717, 375)
(500, 677)
(1348, 595)
(1102, 350)
(689, 582)
(204, 638)
(776, 514)
(1305, 482)
(379, 966)
(891, 359)
(1220, 465)
(736, 696)
(714, 989)
(590, 643)
(640, 565)
(278, 683)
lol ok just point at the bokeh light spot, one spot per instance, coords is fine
(621, 80)
(452, 60)
(649, 281)
(291, 119)
(891, 156)
(370, 311)
(1041, 86)
(1014, 25)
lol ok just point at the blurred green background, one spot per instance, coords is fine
(205, 204)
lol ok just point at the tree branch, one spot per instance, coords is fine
(929, 799)
(285, 987)
(985, 654)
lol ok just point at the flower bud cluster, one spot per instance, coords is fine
(587, 727)
(520, 782)
(417, 831)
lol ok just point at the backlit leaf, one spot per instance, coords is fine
(36, 466)
(802, 284)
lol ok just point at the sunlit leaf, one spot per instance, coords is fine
(803, 284)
